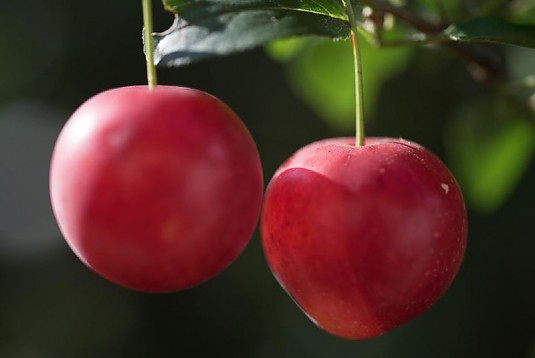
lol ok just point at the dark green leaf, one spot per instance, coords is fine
(209, 28)
(494, 30)
(205, 29)
(331, 8)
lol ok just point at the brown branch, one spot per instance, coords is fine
(406, 16)
(483, 68)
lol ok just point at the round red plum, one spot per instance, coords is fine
(364, 238)
(158, 189)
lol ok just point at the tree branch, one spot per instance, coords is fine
(483, 67)
(406, 16)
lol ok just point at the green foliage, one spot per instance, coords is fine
(490, 147)
(492, 29)
(205, 29)
(208, 28)
(321, 74)
(332, 8)
(489, 153)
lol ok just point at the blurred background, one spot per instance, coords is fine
(56, 53)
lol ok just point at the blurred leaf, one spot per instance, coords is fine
(520, 70)
(494, 30)
(284, 50)
(446, 9)
(520, 62)
(490, 147)
(204, 29)
(527, 16)
(322, 75)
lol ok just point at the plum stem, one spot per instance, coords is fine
(149, 43)
(359, 93)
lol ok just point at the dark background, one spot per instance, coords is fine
(55, 54)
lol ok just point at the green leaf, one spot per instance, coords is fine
(321, 74)
(207, 28)
(493, 30)
(284, 50)
(527, 16)
(490, 147)
(332, 8)
(204, 29)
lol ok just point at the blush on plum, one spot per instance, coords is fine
(364, 238)
(156, 189)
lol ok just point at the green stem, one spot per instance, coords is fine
(149, 44)
(359, 94)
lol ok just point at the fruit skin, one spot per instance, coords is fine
(156, 190)
(363, 239)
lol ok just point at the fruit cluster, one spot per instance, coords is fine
(161, 189)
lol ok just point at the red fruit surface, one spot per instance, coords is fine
(156, 190)
(364, 238)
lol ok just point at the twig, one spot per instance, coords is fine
(406, 16)
(483, 67)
